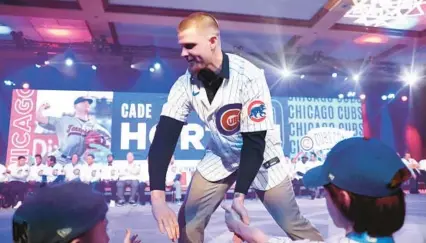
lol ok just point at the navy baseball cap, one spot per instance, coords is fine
(82, 99)
(358, 165)
(59, 213)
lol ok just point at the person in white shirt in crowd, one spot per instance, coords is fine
(18, 174)
(91, 172)
(362, 179)
(143, 184)
(54, 172)
(314, 162)
(36, 173)
(300, 168)
(422, 168)
(109, 178)
(4, 178)
(129, 176)
(72, 170)
(173, 180)
(414, 168)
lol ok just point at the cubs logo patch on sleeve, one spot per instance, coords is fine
(257, 111)
(228, 119)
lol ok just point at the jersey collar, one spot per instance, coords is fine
(224, 71)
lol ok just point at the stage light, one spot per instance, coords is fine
(334, 75)
(46, 62)
(151, 69)
(5, 30)
(384, 97)
(404, 98)
(356, 77)
(410, 78)
(302, 76)
(341, 96)
(94, 67)
(132, 66)
(286, 72)
(25, 86)
(362, 96)
(38, 66)
(69, 62)
(8, 83)
(157, 66)
(391, 96)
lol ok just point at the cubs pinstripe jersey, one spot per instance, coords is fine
(241, 104)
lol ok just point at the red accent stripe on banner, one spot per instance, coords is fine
(22, 124)
(365, 122)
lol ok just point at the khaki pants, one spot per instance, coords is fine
(204, 197)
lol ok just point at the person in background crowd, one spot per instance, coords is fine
(91, 172)
(143, 184)
(109, 178)
(362, 179)
(422, 168)
(18, 174)
(300, 169)
(72, 170)
(64, 213)
(4, 178)
(54, 172)
(36, 173)
(414, 168)
(314, 162)
(129, 176)
(173, 180)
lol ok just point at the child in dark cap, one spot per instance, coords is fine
(362, 179)
(64, 213)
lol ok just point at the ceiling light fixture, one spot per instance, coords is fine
(378, 13)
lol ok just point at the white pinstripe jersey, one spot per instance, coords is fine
(241, 104)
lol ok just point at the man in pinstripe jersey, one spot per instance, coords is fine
(231, 96)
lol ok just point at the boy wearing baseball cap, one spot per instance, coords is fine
(64, 213)
(362, 179)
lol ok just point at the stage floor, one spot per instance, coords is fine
(140, 220)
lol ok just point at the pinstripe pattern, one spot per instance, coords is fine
(246, 84)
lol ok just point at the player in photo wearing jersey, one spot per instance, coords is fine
(75, 133)
(231, 96)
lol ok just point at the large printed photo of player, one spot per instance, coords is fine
(80, 120)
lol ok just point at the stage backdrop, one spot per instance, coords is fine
(127, 123)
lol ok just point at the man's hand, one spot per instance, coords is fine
(129, 238)
(238, 206)
(166, 217)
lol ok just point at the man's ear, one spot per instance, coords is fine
(213, 42)
(346, 198)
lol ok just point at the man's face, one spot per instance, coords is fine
(130, 157)
(304, 159)
(110, 158)
(89, 160)
(407, 156)
(74, 159)
(38, 160)
(21, 162)
(313, 157)
(197, 48)
(82, 107)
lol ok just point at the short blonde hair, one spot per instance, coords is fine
(199, 20)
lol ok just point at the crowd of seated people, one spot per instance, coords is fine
(303, 162)
(111, 178)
